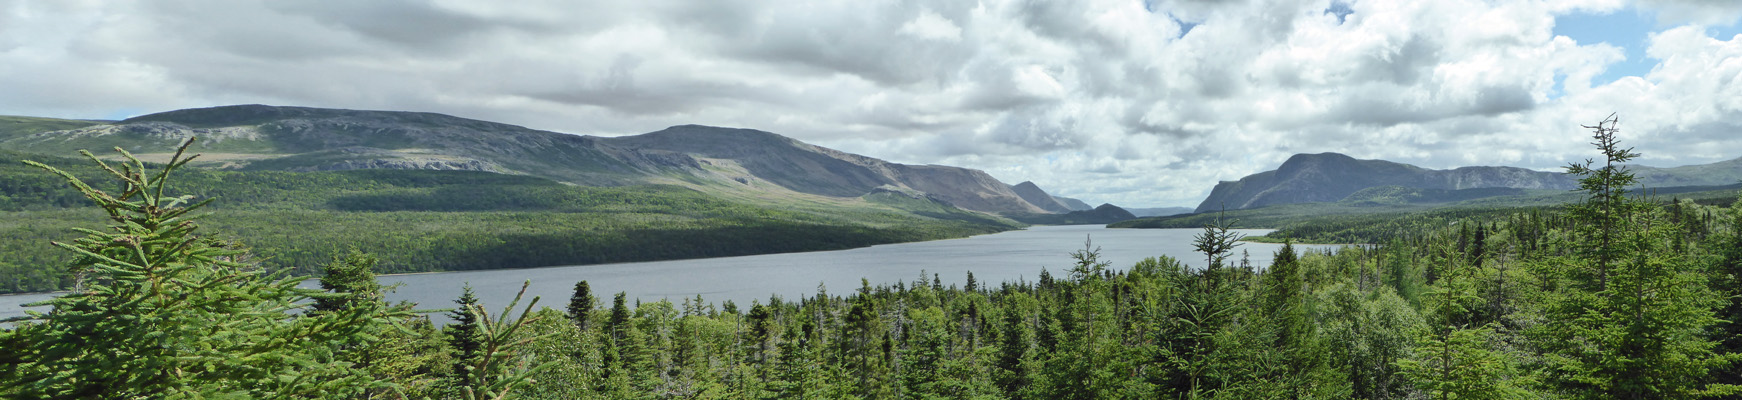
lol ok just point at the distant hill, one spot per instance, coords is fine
(1720, 173)
(745, 163)
(1159, 212)
(1103, 214)
(1074, 204)
(1332, 177)
(1032, 193)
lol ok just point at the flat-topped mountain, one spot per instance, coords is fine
(1330, 177)
(807, 168)
(314, 139)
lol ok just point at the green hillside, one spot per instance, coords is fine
(458, 220)
(1379, 214)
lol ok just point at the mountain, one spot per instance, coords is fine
(1076, 205)
(1715, 174)
(1032, 193)
(747, 155)
(1332, 177)
(1103, 214)
(1159, 212)
(748, 162)
(1329, 177)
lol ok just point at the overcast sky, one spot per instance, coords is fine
(1138, 103)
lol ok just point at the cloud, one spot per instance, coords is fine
(1702, 12)
(1135, 103)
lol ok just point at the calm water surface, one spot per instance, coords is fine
(1008, 256)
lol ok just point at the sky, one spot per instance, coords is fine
(1140, 103)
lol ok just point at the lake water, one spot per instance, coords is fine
(1008, 256)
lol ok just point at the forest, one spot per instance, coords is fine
(1614, 297)
(419, 221)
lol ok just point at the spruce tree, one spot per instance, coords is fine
(1217, 242)
(619, 321)
(464, 337)
(165, 313)
(351, 281)
(391, 351)
(1454, 357)
(1631, 320)
(581, 305)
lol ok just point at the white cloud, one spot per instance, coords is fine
(1702, 12)
(930, 25)
(1103, 100)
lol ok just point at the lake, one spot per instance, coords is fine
(1007, 256)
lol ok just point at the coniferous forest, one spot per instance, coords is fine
(1617, 296)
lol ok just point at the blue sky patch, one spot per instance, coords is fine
(1626, 28)
(1341, 10)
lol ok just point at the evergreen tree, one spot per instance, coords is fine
(1454, 357)
(581, 306)
(351, 280)
(464, 336)
(164, 313)
(619, 317)
(1630, 322)
(1217, 242)
(393, 351)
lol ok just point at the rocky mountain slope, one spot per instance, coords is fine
(1078, 205)
(1032, 193)
(313, 139)
(1331, 177)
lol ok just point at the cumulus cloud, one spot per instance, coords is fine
(1138, 103)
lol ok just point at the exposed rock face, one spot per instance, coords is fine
(1032, 193)
(1328, 177)
(966, 188)
(807, 168)
(770, 157)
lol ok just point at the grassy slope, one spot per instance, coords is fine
(14, 126)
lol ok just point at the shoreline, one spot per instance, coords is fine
(312, 277)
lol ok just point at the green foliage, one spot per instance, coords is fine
(162, 313)
(1456, 356)
(1617, 297)
(1217, 242)
(581, 306)
(417, 221)
(1630, 314)
(497, 367)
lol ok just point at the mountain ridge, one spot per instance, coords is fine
(289, 138)
(1333, 177)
